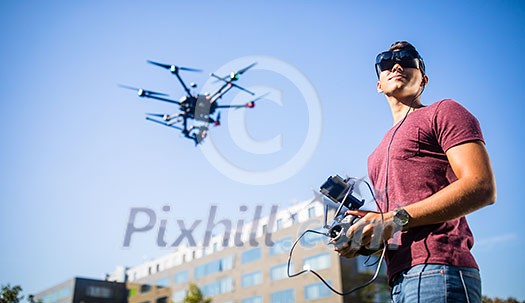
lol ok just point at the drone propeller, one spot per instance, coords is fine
(224, 79)
(165, 117)
(233, 76)
(156, 115)
(142, 92)
(249, 104)
(252, 102)
(242, 88)
(243, 70)
(174, 68)
(164, 123)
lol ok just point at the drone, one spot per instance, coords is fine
(196, 110)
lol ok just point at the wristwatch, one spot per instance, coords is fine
(401, 218)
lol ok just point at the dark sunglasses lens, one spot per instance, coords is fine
(405, 58)
(386, 64)
(409, 62)
(406, 54)
(384, 56)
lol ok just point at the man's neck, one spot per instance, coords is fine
(400, 107)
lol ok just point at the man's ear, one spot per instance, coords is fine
(378, 86)
(424, 81)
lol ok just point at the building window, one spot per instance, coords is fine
(57, 295)
(99, 292)
(256, 299)
(283, 296)
(163, 282)
(309, 240)
(316, 291)
(251, 255)
(178, 296)
(145, 288)
(209, 268)
(219, 287)
(181, 277)
(280, 271)
(317, 262)
(281, 246)
(251, 279)
(227, 263)
(162, 300)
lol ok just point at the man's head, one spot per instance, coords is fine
(400, 70)
(401, 52)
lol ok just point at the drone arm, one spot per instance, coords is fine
(217, 77)
(183, 84)
(162, 99)
(243, 89)
(232, 106)
(220, 92)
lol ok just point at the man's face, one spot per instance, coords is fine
(401, 82)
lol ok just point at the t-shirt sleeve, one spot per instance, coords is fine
(455, 125)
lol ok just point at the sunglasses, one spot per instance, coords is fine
(405, 58)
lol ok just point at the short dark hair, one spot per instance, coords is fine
(399, 45)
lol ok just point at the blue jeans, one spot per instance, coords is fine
(435, 283)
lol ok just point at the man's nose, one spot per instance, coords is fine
(397, 67)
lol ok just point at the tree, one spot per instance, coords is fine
(486, 299)
(11, 294)
(375, 292)
(194, 295)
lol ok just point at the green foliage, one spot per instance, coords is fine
(11, 294)
(195, 295)
(375, 292)
(14, 295)
(486, 299)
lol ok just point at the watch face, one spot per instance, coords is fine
(401, 217)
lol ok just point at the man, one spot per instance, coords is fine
(429, 171)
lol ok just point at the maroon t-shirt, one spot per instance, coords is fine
(417, 168)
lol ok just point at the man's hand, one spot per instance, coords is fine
(370, 231)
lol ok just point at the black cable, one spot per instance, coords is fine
(291, 275)
(387, 202)
(380, 210)
(379, 262)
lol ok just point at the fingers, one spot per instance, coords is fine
(359, 213)
(346, 250)
(356, 238)
(363, 234)
(368, 232)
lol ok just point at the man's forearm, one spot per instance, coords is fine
(454, 201)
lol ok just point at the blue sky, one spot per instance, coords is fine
(77, 154)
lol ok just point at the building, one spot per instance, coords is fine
(246, 268)
(81, 290)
